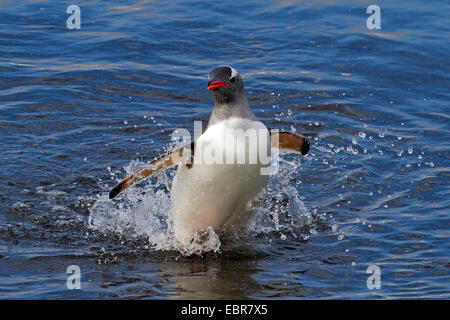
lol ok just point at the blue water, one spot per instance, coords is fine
(77, 106)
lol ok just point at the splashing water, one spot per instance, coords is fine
(145, 211)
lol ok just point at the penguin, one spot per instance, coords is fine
(221, 172)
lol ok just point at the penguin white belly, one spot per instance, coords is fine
(212, 194)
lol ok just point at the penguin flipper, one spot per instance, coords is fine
(163, 162)
(290, 142)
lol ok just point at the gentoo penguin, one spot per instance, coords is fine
(225, 165)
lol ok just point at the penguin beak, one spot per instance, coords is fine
(217, 84)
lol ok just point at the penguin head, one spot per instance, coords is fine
(226, 85)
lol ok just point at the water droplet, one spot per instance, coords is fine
(361, 134)
(340, 237)
(410, 150)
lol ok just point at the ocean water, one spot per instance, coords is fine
(80, 108)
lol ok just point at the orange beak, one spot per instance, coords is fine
(216, 84)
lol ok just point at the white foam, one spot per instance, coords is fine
(144, 210)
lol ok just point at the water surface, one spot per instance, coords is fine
(78, 107)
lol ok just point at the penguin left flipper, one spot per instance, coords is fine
(290, 142)
(163, 162)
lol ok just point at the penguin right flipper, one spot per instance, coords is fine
(163, 162)
(290, 142)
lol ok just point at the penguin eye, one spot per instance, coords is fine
(232, 79)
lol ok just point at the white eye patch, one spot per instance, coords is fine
(234, 72)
